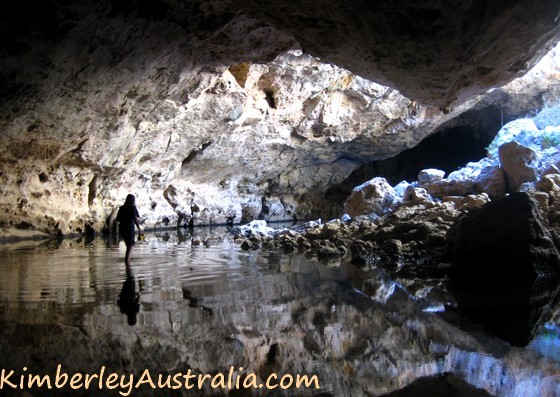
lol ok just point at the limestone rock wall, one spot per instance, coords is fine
(205, 123)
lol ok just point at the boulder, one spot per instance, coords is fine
(518, 163)
(374, 196)
(503, 240)
(400, 188)
(257, 228)
(549, 183)
(416, 195)
(550, 169)
(450, 187)
(491, 181)
(469, 201)
(430, 175)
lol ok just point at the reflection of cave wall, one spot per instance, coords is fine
(456, 143)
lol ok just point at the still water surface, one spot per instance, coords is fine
(197, 301)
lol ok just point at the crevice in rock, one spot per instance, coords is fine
(192, 155)
(272, 353)
(92, 190)
(269, 96)
(264, 208)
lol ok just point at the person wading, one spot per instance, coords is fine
(127, 216)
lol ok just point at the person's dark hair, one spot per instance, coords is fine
(130, 199)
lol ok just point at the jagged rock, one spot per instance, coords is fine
(470, 201)
(542, 199)
(374, 196)
(518, 163)
(430, 175)
(505, 239)
(491, 181)
(450, 187)
(416, 195)
(254, 228)
(549, 183)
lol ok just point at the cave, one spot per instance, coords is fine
(307, 176)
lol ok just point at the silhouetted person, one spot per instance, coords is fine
(129, 299)
(127, 216)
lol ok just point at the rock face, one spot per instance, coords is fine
(220, 112)
(437, 53)
(505, 239)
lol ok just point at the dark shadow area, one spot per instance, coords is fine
(511, 311)
(462, 140)
(446, 385)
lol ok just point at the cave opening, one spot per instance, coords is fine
(456, 143)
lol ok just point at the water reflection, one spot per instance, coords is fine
(199, 302)
(129, 299)
(511, 311)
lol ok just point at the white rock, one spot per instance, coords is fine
(522, 131)
(253, 228)
(400, 188)
(373, 196)
(430, 175)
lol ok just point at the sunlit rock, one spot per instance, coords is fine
(520, 131)
(372, 197)
(518, 163)
(430, 175)
(469, 201)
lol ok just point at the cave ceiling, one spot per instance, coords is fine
(436, 52)
(231, 110)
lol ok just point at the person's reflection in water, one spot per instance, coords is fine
(129, 299)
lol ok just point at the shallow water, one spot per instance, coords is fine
(197, 301)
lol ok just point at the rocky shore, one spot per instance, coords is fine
(493, 220)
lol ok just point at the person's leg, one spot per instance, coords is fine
(128, 237)
(127, 254)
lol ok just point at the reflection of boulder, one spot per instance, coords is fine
(503, 240)
(504, 264)
(510, 311)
